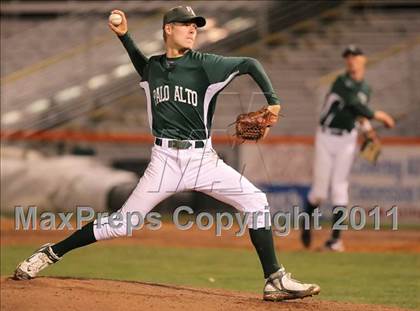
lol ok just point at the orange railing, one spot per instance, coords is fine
(141, 138)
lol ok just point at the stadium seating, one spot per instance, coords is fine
(59, 69)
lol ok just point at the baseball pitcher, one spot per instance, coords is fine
(181, 88)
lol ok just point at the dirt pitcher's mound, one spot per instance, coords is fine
(86, 294)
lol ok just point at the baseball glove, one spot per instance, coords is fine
(253, 125)
(370, 149)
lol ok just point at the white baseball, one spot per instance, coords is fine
(115, 19)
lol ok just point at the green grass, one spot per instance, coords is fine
(388, 279)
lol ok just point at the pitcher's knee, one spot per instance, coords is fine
(107, 228)
(261, 199)
(258, 211)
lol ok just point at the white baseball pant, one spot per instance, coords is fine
(334, 155)
(172, 170)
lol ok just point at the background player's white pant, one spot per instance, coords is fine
(334, 155)
(171, 171)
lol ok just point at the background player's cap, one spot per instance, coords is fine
(183, 14)
(352, 50)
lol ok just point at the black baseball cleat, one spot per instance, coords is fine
(280, 286)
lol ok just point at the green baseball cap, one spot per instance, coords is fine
(183, 14)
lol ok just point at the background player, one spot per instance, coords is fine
(336, 140)
(181, 87)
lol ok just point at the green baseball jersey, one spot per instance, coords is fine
(182, 92)
(346, 101)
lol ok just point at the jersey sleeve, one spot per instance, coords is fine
(137, 57)
(220, 68)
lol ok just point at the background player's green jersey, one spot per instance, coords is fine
(181, 92)
(346, 101)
